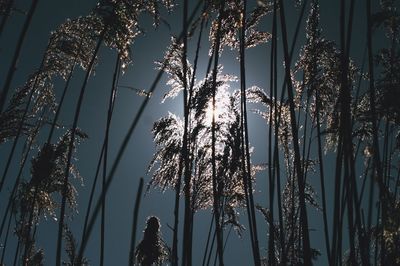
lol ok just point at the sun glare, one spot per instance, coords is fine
(220, 109)
(209, 114)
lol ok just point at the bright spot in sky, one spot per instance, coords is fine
(209, 114)
(220, 110)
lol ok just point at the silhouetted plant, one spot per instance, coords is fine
(207, 150)
(71, 249)
(72, 43)
(41, 88)
(168, 134)
(119, 19)
(11, 118)
(37, 258)
(152, 250)
(115, 24)
(319, 63)
(14, 63)
(36, 197)
(231, 24)
(388, 59)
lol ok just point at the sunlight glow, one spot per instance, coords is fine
(220, 110)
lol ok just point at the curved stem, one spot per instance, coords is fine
(58, 111)
(6, 15)
(215, 182)
(123, 147)
(297, 163)
(14, 62)
(70, 149)
(105, 156)
(6, 238)
(134, 223)
(245, 141)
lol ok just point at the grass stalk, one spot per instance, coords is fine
(208, 240)
(297, 163)
(134, 223)
(124, 145)
(186, 248)
(322, 175)
(377, 165)
(58, 111)
(6, 237)
(215, 182)
(105, 156)
(17, 53)
(6, 15)
(271, 170)
(245, 144)
(71, 147)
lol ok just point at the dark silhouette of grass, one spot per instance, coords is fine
(134, 223)
(326, 108)
(13, 67)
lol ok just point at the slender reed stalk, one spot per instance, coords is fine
(48, 141)
(184, 161)
(225, 243)
(105, 156)
(6, 237)
(208, 240)
(345, 130)
(397, 187)
(297, 163)
(31, 210)
(186, 248)
(11, 199)
(376, 166)
(14, 62)
(364, 182)
(350, 154)
(341, 149)
(277, 112)
(17, 250)
(337, 217)
(60, 104)
(124, 145)
(6, 15)
(12, 196)
(376, 244)
(215, 182)
(175, 258)
(271, 170)
(277, 121)
(71, 146)
(88, 208)
(19, 132)
(134, 223)
(30, 142)
(313, 88)
(322, 174)
(245, 141)
(23, 119)
(98, 164)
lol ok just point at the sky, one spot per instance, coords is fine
(140, 74)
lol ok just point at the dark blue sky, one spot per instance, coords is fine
(140, 74)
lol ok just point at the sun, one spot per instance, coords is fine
(209, 114)
(219, 111)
